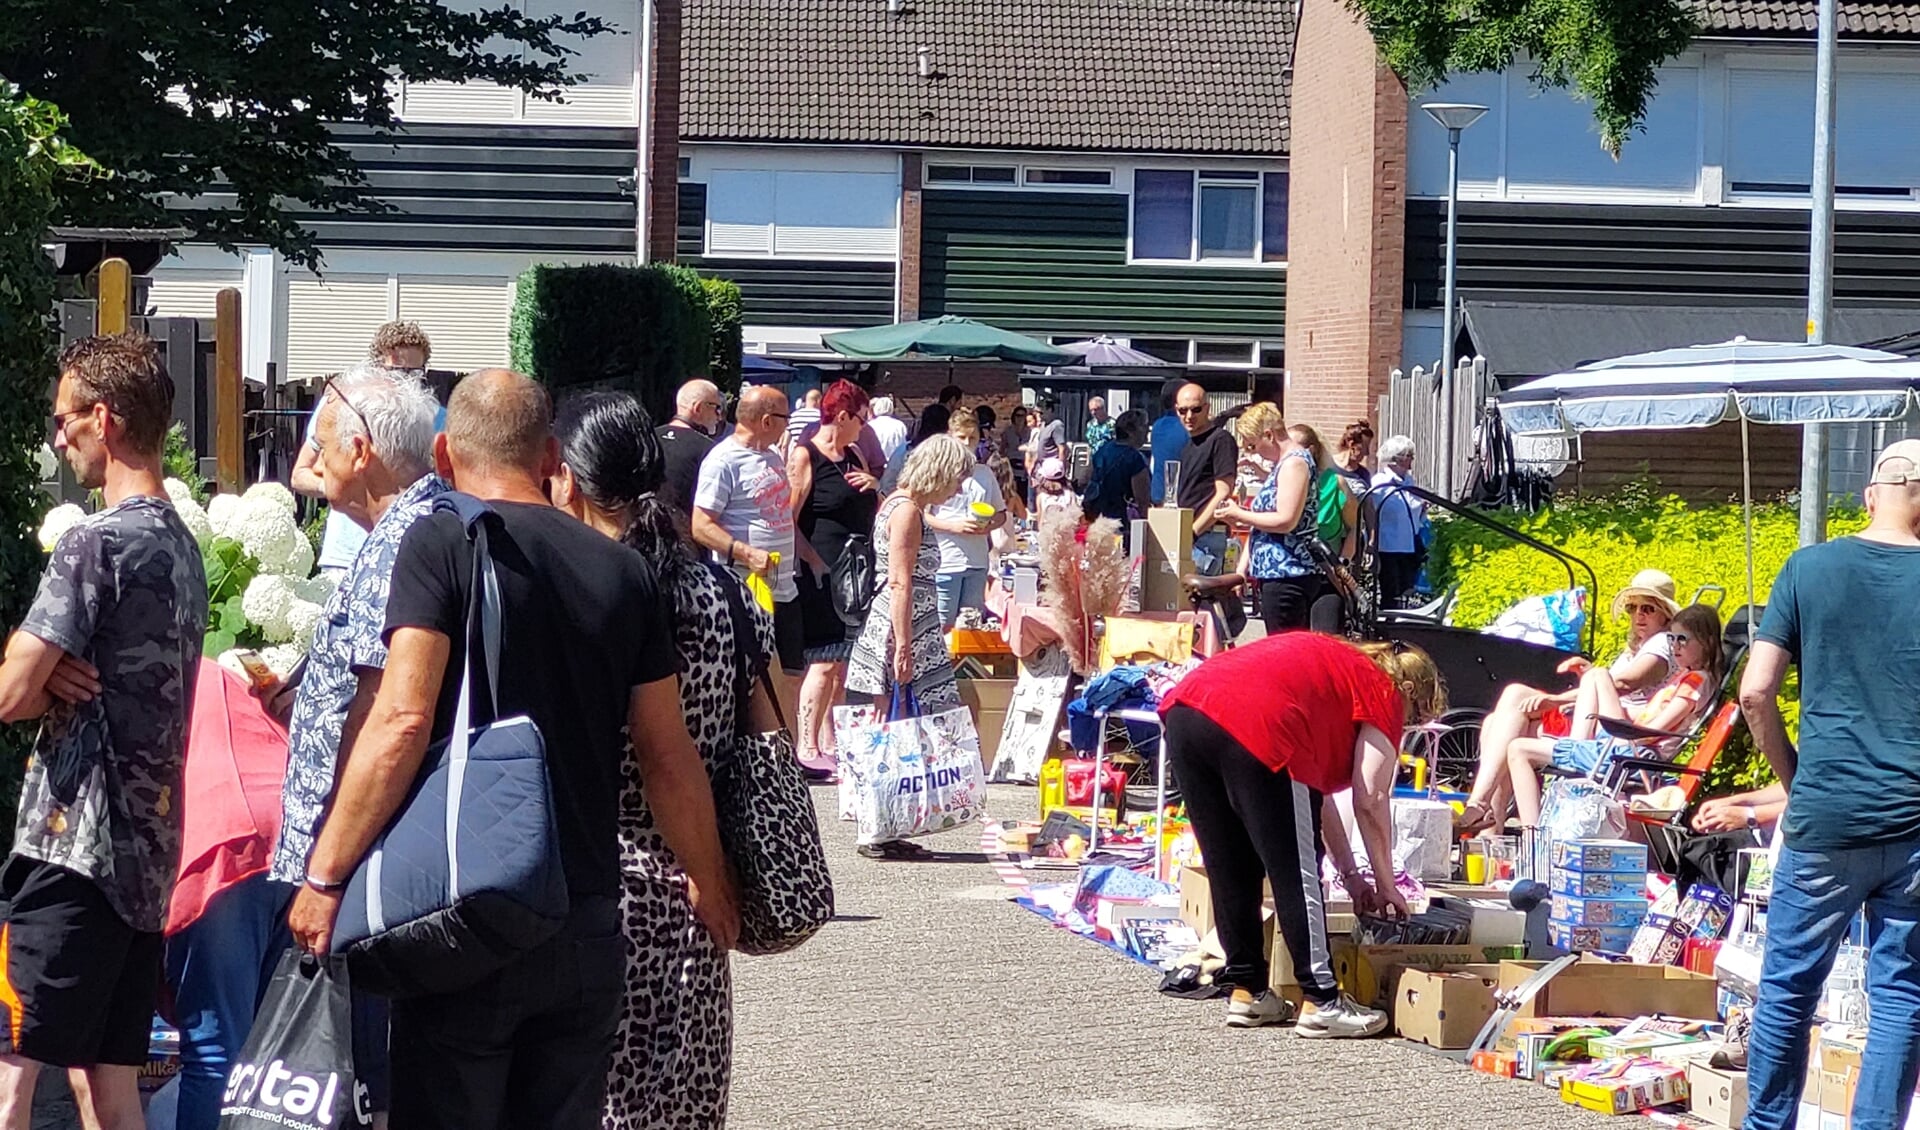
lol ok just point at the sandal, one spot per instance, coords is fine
(1472, 819)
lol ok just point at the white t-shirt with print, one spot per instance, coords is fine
(1660, 645)
(746, 491)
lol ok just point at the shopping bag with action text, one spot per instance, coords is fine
(917, 774)
(296, 1071)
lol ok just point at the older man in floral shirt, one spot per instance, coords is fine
(374, 434)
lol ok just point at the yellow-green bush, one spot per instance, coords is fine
(1619, 534)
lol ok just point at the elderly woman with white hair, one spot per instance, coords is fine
(1399, 518)
(902, 643)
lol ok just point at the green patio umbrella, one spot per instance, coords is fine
(946, 338)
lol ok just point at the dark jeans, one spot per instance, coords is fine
(1398, 573)
(1286, 603)
(529, 1046)
(1254, 823)
(1816, 895)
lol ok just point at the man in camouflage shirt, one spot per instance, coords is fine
(106, 659)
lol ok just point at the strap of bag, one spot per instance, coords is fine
(750, 660)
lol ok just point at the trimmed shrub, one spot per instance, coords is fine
(1619, 533)
(696, 323)
(725, 311)
(604, 326)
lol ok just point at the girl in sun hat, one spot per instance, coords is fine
(1641, 668)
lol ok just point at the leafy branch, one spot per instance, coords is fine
(1608, 52)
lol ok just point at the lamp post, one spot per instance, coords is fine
(1813, 437)
(1453, 117)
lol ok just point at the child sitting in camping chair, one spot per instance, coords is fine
(1604, 731)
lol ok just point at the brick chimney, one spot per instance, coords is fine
(1346, 238)
(663, 105)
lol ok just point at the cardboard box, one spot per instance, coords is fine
(987, 700)
(1196, 898)
(1719, 1097)
(1495, 922)
(1618, 857)
(1444, 1008)
(1167, 556)
(1370, 974)
(1639, 1044)
(1590, 939)
(1600, 988)
(1599, 884)
(1569, 910)
(1638, 1087)
(1839, 1061)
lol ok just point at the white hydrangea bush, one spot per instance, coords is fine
(260, 591)
(58, 521)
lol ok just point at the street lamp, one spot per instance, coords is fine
(1453, 117)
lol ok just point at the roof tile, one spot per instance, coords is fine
(1883, 19)
(1170, 76)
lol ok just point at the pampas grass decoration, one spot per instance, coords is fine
(1084, 580)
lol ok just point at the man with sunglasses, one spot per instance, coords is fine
(1208, 466)
(743, 512)
(1844, 612)
(698, 412)
(106, 658)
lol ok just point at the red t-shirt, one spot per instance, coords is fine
(1296, 701)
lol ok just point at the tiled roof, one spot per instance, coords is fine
(1879, 19)
(1176, 76)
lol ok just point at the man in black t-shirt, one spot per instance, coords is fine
(587, 644)
(686, 439)
(1208, 466)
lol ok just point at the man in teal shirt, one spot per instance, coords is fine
(1847, 614)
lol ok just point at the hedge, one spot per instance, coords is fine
(1632, 528)
(725, 310)
(643, 328)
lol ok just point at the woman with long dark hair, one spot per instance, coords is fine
(672, 1058)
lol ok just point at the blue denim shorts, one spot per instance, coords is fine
(1584, 755)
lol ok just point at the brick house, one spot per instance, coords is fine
(1064, 168)
(1697, 233)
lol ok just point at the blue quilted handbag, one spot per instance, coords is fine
(468, 875)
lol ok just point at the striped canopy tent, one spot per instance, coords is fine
(1697, 386)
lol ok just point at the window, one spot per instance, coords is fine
(1223, 352)
(1099, 178)
(686, 168)
(1209, 216)
(970, 174)
(1167, 349)
(802, 214)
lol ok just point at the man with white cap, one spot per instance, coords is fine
(1846, 613)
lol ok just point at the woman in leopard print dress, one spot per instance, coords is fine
(673, 1050)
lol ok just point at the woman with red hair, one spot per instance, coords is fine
(833, 500)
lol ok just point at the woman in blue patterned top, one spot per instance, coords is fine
(1280, 558)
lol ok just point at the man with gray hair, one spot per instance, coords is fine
(373, 455)
(891, 432)
(698, 410)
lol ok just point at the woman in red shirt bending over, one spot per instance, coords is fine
(1259, 738)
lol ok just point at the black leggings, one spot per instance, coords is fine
(1253, 824)
(1286, 603)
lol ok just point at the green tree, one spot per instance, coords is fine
(223, 107)
(35, 162)
(1608, 51)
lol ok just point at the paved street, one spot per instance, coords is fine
(936, 1003)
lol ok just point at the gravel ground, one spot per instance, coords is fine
(934, 1002)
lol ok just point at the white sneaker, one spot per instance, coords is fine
(1249, 1011)
(1344, 1019)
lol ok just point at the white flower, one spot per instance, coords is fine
(268, 600)
(273, 492)
(268, 534)
(46, 462)
(299, 561)
(303, 616)
(282, 658)
(58, 521)
(221, 509)
(188, 507)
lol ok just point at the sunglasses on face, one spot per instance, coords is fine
(1681, 637)
(1637, 609)
(1191, 409)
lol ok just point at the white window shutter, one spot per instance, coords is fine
(187, 294)
(465, 318)
(331, 322)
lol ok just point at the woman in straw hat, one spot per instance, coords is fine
(1527, 712)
